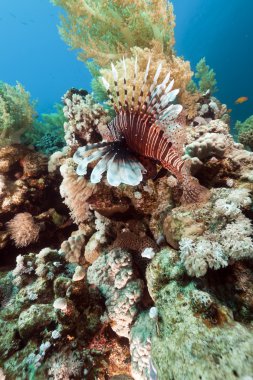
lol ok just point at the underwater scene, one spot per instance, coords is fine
(126, 190)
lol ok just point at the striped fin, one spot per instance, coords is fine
(125, 82)
(82, 151)
(170, 113)
(153, 84)
(144, 83)
(115, 77)
(157, 93)
(82, 166)
(107, 87)
(134, 82)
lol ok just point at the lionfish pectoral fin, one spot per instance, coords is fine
(193, 192)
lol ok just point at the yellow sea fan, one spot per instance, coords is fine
(104, 30)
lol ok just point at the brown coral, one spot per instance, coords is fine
(34, 164)
(23, 229)
(129, 240)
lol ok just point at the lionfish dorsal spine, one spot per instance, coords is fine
(109, 94)
(165, 100)
(154, 83)
(125, 82)
(134, 82)
(157, 94)
(115, 78)
(143, 84)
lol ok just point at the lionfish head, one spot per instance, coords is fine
(119, 157)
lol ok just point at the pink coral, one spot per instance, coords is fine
(23, 229)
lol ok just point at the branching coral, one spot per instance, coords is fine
(47, 134)
(206, 77)
(245, 132)
(106, 30)
(86, 120)
(16, 113)
(23, 229)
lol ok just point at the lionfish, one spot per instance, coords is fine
(144, 127)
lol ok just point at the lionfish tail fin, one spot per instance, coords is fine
(193, 192)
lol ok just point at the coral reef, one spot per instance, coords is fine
(29, 200)
(141, 334)
(51, 313)
(214, 347)
(125, 282)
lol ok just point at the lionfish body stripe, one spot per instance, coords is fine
(145, 126)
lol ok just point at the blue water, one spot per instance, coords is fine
(220, 30)
(33, 53)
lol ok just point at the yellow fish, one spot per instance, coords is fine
(242, 99)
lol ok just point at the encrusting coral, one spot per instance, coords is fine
(193, 325)
(112, 273)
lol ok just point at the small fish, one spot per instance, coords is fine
(241, 100)
(146, 126)
(229, 110)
